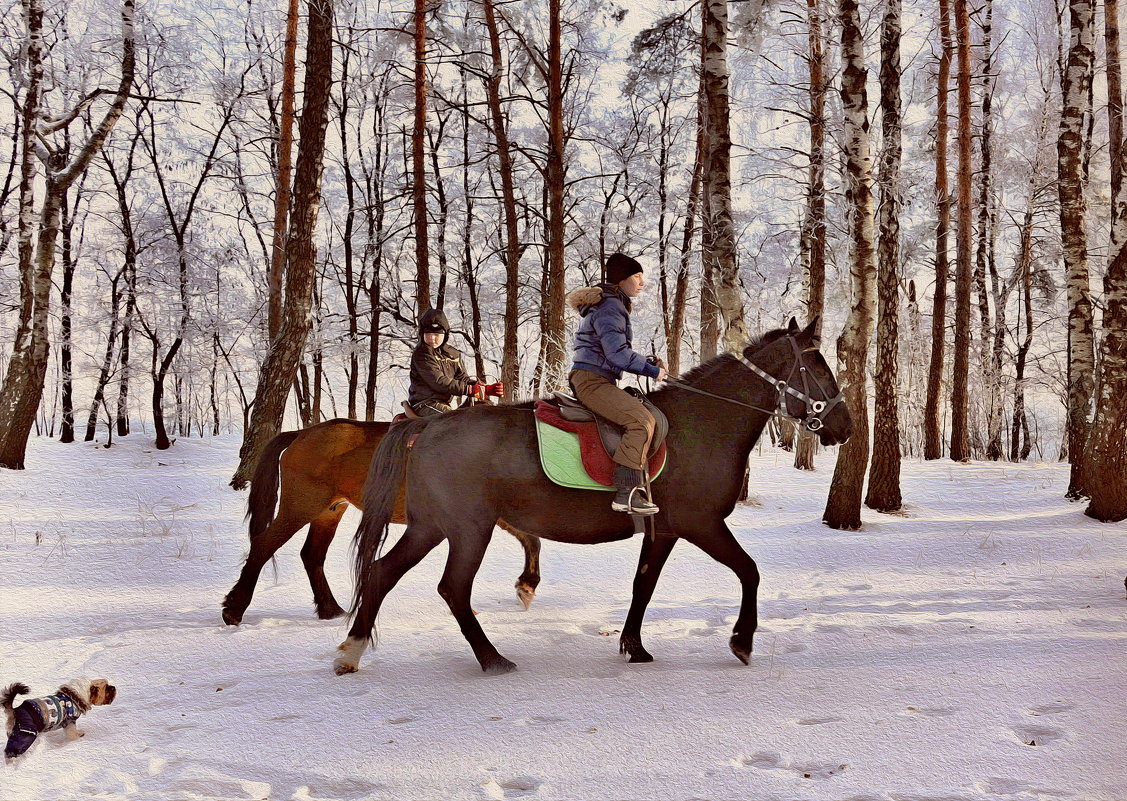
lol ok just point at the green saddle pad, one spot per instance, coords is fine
(562, 461)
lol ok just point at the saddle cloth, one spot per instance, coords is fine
(572, 452)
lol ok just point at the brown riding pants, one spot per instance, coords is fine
(604, 398)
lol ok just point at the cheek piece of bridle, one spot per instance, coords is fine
(816, 409)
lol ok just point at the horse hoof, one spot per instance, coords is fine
(231, 618)
(498, 666)
(342, 667)
(330, 612)
(632, 647)
(742, 652)
(639, 657)
(525, 594)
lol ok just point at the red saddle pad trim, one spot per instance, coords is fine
(596, 460)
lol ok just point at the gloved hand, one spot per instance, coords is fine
(477, 392)
(495, 390)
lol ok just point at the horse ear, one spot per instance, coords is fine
(792, 326)
(812, 328)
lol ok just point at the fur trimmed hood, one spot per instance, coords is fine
(584, 296)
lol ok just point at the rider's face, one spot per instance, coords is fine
(433, 339)
(633, 285)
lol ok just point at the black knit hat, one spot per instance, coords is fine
(620, 267)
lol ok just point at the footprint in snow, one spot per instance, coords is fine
(504, 789)
(929, 711)
(1037, 734)
(858, 587)
(818, 721)
(769, 760)
(1053, 708)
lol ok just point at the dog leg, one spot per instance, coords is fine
(73, 732)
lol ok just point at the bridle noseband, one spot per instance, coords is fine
(816, 409)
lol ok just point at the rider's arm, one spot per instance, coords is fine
(430, 372)
(611, 330)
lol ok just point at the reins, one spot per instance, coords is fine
(816, 409)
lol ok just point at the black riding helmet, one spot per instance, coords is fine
(434, 321)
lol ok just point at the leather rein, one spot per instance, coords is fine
(816, 409)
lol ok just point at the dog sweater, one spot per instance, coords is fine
(54, 711)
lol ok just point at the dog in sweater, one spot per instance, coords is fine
(58, 711)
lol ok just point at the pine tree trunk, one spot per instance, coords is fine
(960, 369)
(280, 366)
(285, 167)
(813, 237)
(884, 472)
(418, 162)
(843, 506)
(721, 253)
(933, 430)
(510, 358)
(1075, 86)
(22, 389)
(556, 350)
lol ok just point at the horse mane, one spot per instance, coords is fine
(704, 368)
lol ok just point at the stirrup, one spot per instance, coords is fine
(641, 506)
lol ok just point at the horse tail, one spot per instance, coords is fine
(381, 492)
(264, 485)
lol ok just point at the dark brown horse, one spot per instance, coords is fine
(322, 470)
(467, 471)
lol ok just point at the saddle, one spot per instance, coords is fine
(598, 438)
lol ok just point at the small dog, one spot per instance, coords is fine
(58, 711)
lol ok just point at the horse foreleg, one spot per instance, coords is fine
(466, 552)
(262, 549)
(650, 562)
(722, 546)
(321, 533)
(373, 587)
(529, 580)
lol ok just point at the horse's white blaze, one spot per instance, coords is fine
(350, 652)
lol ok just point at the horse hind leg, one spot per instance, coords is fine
(262, 550)
(321, 533)
(381, 577)
(466, 552)
(529, 580)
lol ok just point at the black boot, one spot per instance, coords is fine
(631, 496)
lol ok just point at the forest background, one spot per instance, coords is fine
(164, 267)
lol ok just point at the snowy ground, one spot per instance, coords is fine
(972, 649)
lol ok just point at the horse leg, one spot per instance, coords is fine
(650, 562)
(721, 545)
(321, 533)
(529, 580)
(262, 550)
(462, 564)
(373, 587)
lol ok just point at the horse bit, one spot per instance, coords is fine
(816, 410)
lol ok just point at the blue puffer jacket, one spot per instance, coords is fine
(602, 344)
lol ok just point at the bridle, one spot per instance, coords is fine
(817, 409)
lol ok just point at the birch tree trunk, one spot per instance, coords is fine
(813, 237)
(933, 434)
(279, 369)
(720, 253)
(843, 506)
(884, 472)
(1105, 456)
(1076, 82)
(23, 383)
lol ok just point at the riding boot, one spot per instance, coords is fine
(631, 496)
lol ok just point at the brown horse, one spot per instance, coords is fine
(322, 470)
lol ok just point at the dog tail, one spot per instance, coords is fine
(9, 695)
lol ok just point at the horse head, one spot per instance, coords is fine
(808, 391)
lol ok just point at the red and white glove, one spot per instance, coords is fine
(495, 390)
(477, 391)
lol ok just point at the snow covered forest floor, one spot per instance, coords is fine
(971, 649)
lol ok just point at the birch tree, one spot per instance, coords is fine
(23, 382)
(843, 506)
